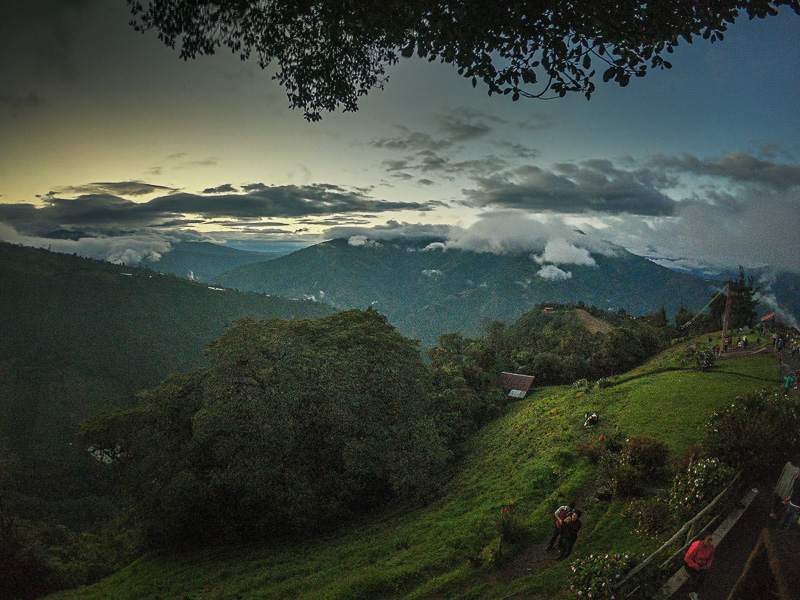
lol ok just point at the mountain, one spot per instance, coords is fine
(203, 261)
(81, 336)
(426, 293)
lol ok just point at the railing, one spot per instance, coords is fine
(681, 532)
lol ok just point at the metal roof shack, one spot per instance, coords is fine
(516, 384)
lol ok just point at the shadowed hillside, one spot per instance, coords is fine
(82, 336)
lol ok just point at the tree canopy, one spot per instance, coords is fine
(294, 424)
(331, 52)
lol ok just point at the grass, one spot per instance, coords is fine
(429, 551)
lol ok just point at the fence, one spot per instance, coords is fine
(683, 531)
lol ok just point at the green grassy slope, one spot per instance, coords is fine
(526, 456)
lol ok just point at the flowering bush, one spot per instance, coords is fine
(596, 575)
(650, 517)
(755, 432)
(697, 486)
(704, 359)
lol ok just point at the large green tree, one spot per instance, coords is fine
(294, 424)
(743, 300)
(331, 52)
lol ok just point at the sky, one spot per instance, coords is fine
(106, 132)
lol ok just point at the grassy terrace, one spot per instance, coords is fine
(527, 456)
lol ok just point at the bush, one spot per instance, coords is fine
(646, 455)
(603, 383)
(756, 432)
(650, 516)
(704, 359)
(627, 481)
(595, 577)
(695, 487)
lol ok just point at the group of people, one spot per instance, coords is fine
(697, 560)
(568, 524)
(780, 342)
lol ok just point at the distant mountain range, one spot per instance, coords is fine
(81, 336)
(204, 261)
(426, 293)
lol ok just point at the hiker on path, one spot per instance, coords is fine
(569, 534)
(697, 562)
(561, 514)
(789, 384)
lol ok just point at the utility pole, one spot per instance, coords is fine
(726, 321)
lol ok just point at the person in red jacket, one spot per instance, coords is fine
(697, 563)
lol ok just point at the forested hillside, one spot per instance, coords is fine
(480, 533)
(82, 336)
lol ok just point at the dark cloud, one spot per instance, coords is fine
(739, 167)
(245, 223)
(426, 182)
(108, 212)
(409, 140)
(221, 189)
(593, 186)
(392, 230)
(121, 188)
(517, 150)
(463, 125)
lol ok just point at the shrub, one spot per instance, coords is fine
(603, 383)
(755, 432)
(627, 481)
(697, 486)
(595, 577)
(650, 516)
(646, 455)
(704, 359)
(582, 385)
(592, 450)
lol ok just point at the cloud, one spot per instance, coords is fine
(410, 140)
(738, 167)
(591, 186)
(392, 230)
(553, 273)
(431, 272)
(119, 188)
(221, 189)
(463, 125)
(362, 240)
(129, 248)
(102, 210)
(560, 252)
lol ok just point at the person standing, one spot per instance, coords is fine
(569, 534)
(561, 514)
(697, 562)
(789, 385)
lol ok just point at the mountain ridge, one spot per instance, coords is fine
(426, 293)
